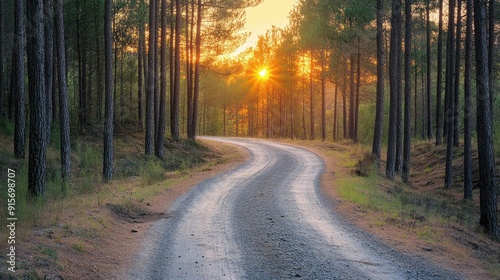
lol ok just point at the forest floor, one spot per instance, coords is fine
(92, 233)
(419, 218)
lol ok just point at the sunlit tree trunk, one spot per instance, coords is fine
(323, 93)
(344, 99)
(311, 92)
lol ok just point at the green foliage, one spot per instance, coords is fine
(152, 171)
(89, 158)
(55, 137)
(6, 128)
(400, 203)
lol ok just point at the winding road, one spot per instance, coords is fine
(267, 219)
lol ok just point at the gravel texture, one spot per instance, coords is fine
(267, 219)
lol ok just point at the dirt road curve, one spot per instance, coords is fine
(267, 219)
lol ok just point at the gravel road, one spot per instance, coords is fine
(267, 219)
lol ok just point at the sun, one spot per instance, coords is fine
(263, 73)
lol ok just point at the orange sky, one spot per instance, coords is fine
(263, 17)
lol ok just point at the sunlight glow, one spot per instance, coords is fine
(263, 73)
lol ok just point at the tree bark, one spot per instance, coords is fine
(163, 82)
(456, 88)
(449, 97)
(2, 56)
(140, 66)
(379, 113)
(17, 86)
(177, 74)
(63, 93)
(196, 72)
(394, 54)
(37, 98)
(407, 121)
(352, 104)
(358, 86)
(344, 99)
(323, 93)
(467, 103)
(491, 54)
(108, 106)
(311, 93)
(151, 81)
(49, 59)
(487, 181)
(439, 138)
(429, 71)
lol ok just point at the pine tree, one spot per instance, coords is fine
(37, 98)
(109, 108)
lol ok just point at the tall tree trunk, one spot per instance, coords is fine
(157, 72)
(335, 118)
(456, 88)
(171, 60)
(468, 102)
(2, 56)
(54, 81)
(99, 72)
(37, 99)
(177, 74)
(439, 139)
(163, 81)
(352, 106)
(197, 70)
(379, 114)
(63, 93)
(17, 85)
(394, 54)
(491, 54)
(108, 111)
(358, 86)
(151, 80)
(487, 181)
(344, 99)
(49, 59)
(140, 66)
(429, 71)
(407, 121)
(323, 93)
(449, 97)
(311, 92)
(399, 105)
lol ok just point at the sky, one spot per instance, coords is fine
(263, 17)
